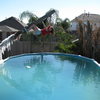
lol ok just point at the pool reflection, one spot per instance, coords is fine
(85, 71)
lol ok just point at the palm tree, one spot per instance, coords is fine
(58, 21)
(65, 24)
(29, 15)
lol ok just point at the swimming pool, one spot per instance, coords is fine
(49, 76)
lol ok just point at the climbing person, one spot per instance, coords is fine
(44, 31)
(36, 31)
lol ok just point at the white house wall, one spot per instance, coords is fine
(73, 26)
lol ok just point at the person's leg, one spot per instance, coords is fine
(34, 27)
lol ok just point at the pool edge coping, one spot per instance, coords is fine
(52, 53)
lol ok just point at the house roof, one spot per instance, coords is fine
(87, 16)
(6, 28)
(14, 23)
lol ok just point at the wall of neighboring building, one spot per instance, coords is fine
(4, 35)
(94, 20)
(74, 26)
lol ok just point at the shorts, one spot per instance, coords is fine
(37, 32)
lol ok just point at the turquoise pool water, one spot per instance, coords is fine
(49, 77)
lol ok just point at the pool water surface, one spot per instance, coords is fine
(49, 77)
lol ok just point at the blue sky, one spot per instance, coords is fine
(67, 8)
